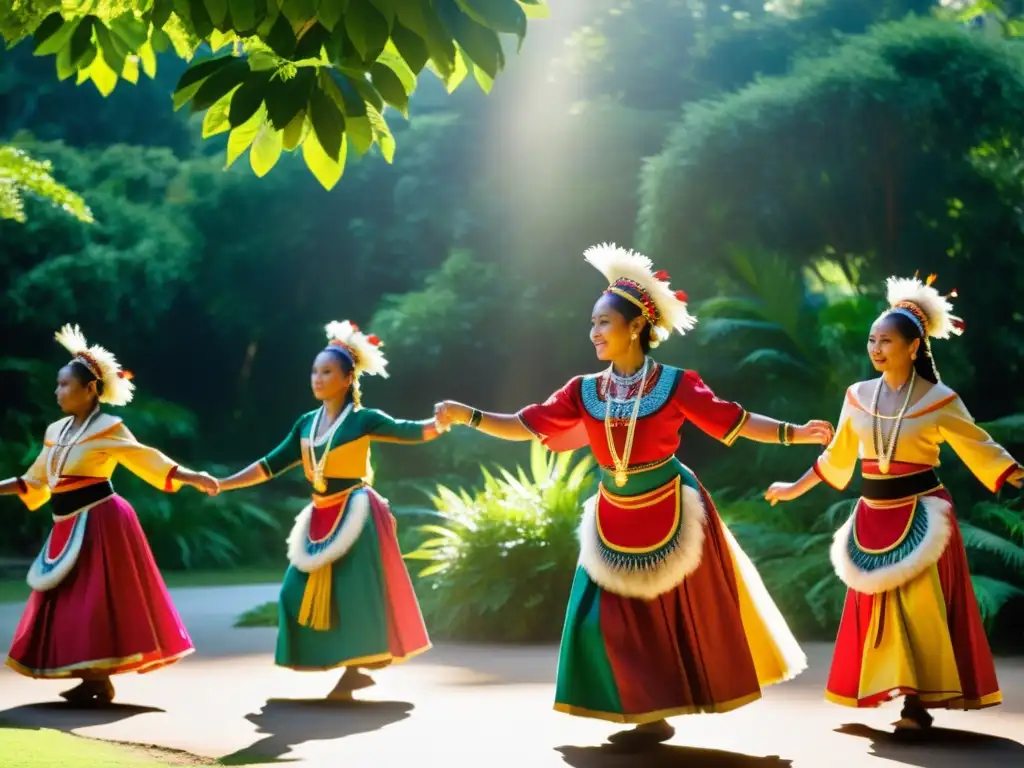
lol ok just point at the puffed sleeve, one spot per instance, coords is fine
(33, 488)
(384, 428)
(557, 422)
(287, 455)
(988, 460)
(141, 460)
(836, 464)
(721, 419)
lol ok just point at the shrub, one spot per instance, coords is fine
(501, 566)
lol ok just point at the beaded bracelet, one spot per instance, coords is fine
(785, 433)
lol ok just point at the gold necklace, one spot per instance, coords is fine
(319, 466)
(62, 450)
(622, 464)
(885, 456)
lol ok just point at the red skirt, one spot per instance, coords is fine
(923, 637)
(111, 614)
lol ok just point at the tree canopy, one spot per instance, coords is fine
(284, 74)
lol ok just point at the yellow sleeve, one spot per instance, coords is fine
(988, 460)
(141, 460)
(836, 465)
(33, 486)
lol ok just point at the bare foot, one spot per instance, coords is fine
(352, 680)
(648, 733)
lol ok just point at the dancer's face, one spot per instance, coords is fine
(328, 380)
(888, 349)
(610, 332)
(73, 396)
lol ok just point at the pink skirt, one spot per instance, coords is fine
(111, 614)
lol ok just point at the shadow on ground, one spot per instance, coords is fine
(61, 716)
(940, 747)
(288, 723)
(665, 756)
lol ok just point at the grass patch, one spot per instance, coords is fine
(15, 590)
(261, 616)
(24, 748)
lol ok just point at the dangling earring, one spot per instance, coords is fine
(633, 337)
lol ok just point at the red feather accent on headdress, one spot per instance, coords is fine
(662, 275)
(959, 324)
(128, 375)
(373, 340)
(681, 295)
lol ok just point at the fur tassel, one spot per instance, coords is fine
(666, 575)
(356, 513)
(889, 577)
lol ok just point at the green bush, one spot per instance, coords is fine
(501, 566)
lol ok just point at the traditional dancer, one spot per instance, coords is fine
(99, 606)
(910, 625)
(347, 600)
(667, 615)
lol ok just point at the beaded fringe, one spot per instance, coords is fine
(315, 611)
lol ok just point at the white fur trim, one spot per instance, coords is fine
(649, 583)
(928, 552)
(354, 518)
(794, 660)
(43, 580)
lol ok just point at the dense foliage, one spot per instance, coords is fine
(294, 72)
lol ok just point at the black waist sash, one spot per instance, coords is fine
(62, 504)
(899, 486)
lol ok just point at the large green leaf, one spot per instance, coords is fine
(286, 98)
(242, 136)
(81, 40)
(246, 15)
(411, 47)
(480, 44)
(367, 28)
(500, 15)
(218, 85)
(328, 123)
(53, 34)
(265, 150)
(281, 38)
(326, 169)
(248, 99)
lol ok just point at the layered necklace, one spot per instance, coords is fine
(65, 442)
(621, 464)
(885, 451)
(319, 465)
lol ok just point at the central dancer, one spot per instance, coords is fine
(667, 615)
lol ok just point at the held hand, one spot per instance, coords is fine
(1017, 478)
(814, 433)
(781, 492)
(450, 413)
(206, 483)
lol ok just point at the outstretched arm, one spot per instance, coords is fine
(10, 486)
(254, 474)
(504, 426)
(286, 456)
(788, 491)
(762, 429)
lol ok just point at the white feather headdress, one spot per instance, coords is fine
(364, 350)
(118, 388)
(932, 311)
(629, 273)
